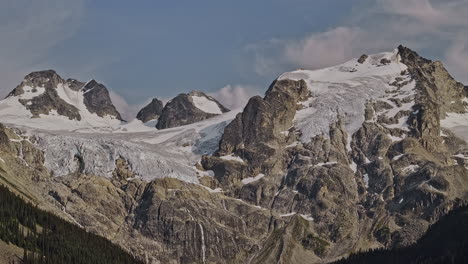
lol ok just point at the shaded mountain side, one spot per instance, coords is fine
(445, 242)
(184, 110)
(151, 111)
(46, 238)
(97, 100)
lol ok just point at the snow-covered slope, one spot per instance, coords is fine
(205, 104)
(150, 153)
(457, 123)
(344, 89)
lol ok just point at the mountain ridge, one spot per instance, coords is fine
(267, 184)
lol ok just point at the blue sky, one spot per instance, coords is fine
(232, 49)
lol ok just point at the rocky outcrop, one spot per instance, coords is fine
(438, 94)
(151, 111)
(182, 110)
(258, 133)
(363, 58)
(98, 101)
(48, 79)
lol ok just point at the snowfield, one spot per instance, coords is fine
(343, 91)
(150, 153)
(206, 105)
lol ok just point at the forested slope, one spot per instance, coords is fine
(46, 238)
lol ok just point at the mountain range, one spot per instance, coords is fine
(364, 155)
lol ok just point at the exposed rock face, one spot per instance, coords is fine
(151, 111)
(256, 135)
(438, 93)
(97, 100)
(363, 58)
(182, 110)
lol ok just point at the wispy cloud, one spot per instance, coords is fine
(29, 30)
(234, 96)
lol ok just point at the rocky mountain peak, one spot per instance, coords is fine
(46, 93)
(189, 108)
(98, 101)
(75, 85)
(151, 111)
(47, 79)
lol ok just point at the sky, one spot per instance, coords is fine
(229, 49)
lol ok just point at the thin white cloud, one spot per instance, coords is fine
(234, 96)
(315, 51)
(456, 58)
(126, 110)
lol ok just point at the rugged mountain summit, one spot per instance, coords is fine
(97, 100)
(357, 156)
(44, 94)
(151, 111)
(189, 108)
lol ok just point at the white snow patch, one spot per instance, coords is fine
(217, 190)
(31, 92)
(232, 157)
(325, 163)
(206, 105)
(366, 180)
(410, 168)
(397, 157)
(353, 166)
(395, 139)
(402, 124)
(460, 155)
(307, 217)
(287, 215)
(253, 179)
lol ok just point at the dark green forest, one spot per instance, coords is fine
(47, 238)
(445, 242)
